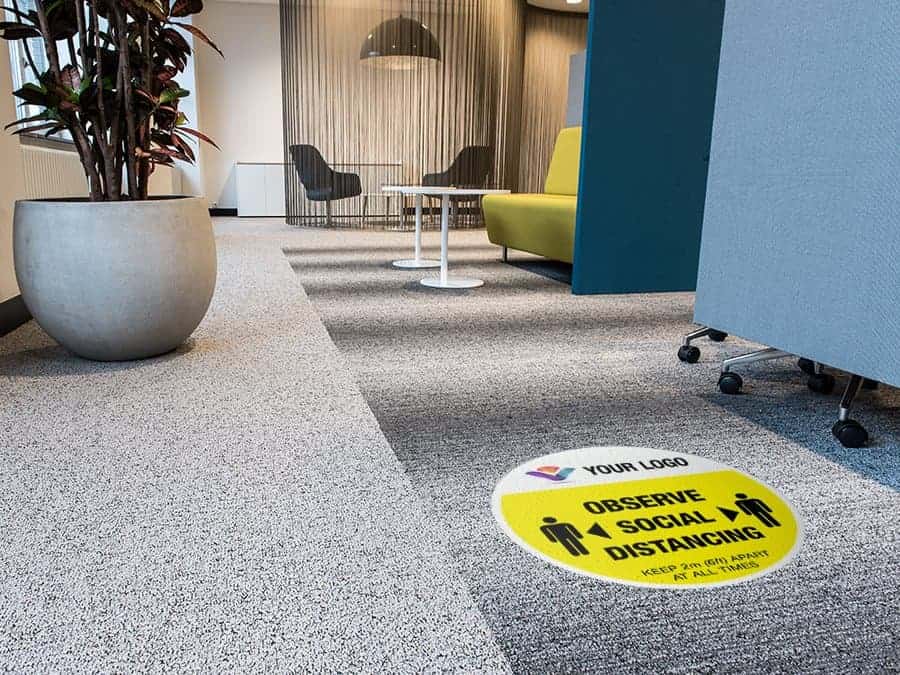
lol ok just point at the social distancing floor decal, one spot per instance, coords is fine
(647, 517)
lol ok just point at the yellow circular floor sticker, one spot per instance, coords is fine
(647, 517)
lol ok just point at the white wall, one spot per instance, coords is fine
(238, 97)
(11, 184)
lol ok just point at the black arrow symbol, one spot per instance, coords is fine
(728, 513)
(598, 531)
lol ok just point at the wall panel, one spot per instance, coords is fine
(651, 92)
(801, 237)
(239, 97)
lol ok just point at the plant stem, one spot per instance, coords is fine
(125, 70)
(105, 148)
(49, 42)
(79, 135)
(146, 165)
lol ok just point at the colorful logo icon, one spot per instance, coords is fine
(553, 473)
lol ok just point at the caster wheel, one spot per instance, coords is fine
(821, 383)
(850, 433)
(807, 366)
(730, 383)
(717, 336)
(871, 385)
(688, 354)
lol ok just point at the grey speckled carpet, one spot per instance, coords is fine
(468, 385)
(232, 507)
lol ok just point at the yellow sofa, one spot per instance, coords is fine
(543, 224)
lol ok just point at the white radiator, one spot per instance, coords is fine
(52, 173)
(58, 173)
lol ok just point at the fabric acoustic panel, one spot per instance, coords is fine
(801, 238)
(651, 87)
(410, 123)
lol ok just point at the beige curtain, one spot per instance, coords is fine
(550, 40)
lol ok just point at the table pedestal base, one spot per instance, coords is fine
(416, 264)
(452, 282)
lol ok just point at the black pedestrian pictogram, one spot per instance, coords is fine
(565, 534)
(757, 508)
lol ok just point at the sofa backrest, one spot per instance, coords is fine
(562, 178)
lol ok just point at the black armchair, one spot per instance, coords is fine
(471, 169)
(322, 183)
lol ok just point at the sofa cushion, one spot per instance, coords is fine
(538, 223)
(562, 178)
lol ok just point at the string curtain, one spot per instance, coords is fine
(395, 126)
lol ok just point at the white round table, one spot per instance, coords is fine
(444, 280)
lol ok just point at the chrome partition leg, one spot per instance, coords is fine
(731, 383)
(849, 432)
(695, 335)
(328, 212)
(767, 354)
(691, 354)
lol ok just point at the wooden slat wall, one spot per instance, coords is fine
(550, 39)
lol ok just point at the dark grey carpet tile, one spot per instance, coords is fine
(467, 386)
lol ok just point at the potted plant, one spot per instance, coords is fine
(116, 275)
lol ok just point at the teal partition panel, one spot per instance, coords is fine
(650, 95)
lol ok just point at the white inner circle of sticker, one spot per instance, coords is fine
(646, 517)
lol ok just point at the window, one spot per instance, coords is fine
(22, 72)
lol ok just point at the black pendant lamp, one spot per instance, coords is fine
(399, 44)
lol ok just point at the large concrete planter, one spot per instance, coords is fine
(115, 281)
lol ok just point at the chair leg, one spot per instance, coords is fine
(365, 208)
(504, 256)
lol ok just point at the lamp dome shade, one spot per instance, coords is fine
(399, 44)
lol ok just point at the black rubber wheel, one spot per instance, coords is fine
(717, 336)
(821, 383)
(807, 366)
(730, 383)
(688, 354)
(850, 433)
(871, 385)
